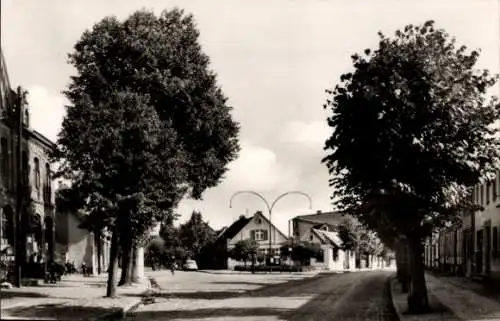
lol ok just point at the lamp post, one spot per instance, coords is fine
(270, 207)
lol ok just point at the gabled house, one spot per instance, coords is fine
(257, 228)
(320, 228)
(76, 244)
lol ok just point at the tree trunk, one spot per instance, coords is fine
(138, 265)
(402, 264)
(113, 265)
(417, 295)
(99, 251)
(127, 260)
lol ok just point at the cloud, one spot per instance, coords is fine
(311, 134)
(46, 111)
(258, 168)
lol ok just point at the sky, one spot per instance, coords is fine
(274, 60)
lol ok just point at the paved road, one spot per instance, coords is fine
(198, 296)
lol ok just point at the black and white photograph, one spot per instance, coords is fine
(237, 160)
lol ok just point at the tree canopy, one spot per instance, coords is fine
(196, 234)
(355, 236)
(160, 123)
(412, 131)
(147, 122)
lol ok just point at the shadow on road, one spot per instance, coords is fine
(208, 313)
(56, 311)
(200, 295)
(6, 294)
(291, 288)
(241, 283)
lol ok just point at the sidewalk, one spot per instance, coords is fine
(465, 303)
(74, 298)
(451, 299)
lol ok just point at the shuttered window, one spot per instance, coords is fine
(259, 235)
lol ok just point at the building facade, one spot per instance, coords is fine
(75, 244)
(257, 228)
(471, 247)
(37, 214)
(320, 228)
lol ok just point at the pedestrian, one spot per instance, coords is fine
(172, 265)
(84, 269)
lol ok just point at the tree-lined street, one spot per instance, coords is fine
(153, 122)
(202, 296)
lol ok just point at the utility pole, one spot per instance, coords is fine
(19, 237)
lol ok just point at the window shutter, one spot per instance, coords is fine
(265, 235)
(252, 235)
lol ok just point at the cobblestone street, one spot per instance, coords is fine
(200, 296)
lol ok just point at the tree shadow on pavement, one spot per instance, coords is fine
(292, 288)
(6, 294)
(199, 295)
(208, 313)
(57, 311)
(242, 283)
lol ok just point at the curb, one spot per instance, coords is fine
(402, 316)
(396, 306)
(120, 313)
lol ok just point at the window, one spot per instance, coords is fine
(488, 189)
(473, 195)
(26, 167)
(481, 194)
(258, 221)
(494, 241)
(48, 182)
(259, 235)
(5, 229)
(494, 190)
(311, 237)
(26, 118)
(5, 160)
(7, 217)
(37, 173)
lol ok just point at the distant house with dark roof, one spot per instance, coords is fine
(321, 228)
(257, 228)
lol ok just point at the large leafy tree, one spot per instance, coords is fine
(147, 122)
(196, 234)
(411, 132)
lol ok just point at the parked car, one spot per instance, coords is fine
(190, 265)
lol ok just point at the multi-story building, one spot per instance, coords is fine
(321, 228)
(38, 210)
(471, 246)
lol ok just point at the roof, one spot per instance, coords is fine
(331, 218)
(235, 228)
(328, 237)
(5, 89)
(274, 226)
(42, 139)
